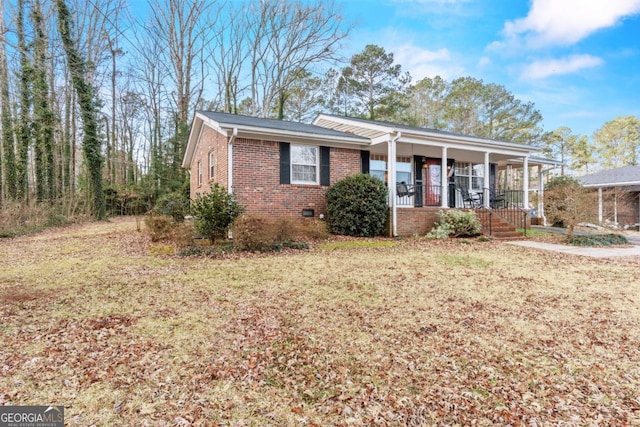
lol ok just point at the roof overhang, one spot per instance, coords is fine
(383, 132)
(613, 184)
(227, 129)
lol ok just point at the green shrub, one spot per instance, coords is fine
(598, 240)
(175, 205)
(455, 223)
(159, 226)
(357, 206)
(215, 212)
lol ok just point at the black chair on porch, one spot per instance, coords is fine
(469, 200)
(497, 200)
(403, 189)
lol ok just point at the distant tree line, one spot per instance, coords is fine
(94, 101)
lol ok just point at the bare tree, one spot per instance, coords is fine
(148, 74)
(286, 36)
(229, 54)
(184, 29)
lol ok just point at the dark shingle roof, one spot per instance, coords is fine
(281, 125)
(626, 175)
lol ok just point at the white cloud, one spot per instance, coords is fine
(421, 63)
(545, 68)
(565, 22)
(484, 62)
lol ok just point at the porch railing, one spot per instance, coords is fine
(507, 205)
(418, 195)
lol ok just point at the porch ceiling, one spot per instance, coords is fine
(460, 155)
(349, 126)
(426, 142)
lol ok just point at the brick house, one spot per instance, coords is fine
(278, 167)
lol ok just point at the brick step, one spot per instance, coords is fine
(500, 229)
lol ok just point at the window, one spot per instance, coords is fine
(304, 164)
(378, 168)
(477, 177)
(199, 172)
(470, 175)
(212, 162)
(403, 169)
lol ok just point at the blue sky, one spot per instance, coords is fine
(577, 60)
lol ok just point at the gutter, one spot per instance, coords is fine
(230, 161)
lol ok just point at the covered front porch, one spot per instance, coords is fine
(427, 168)
(494, 184)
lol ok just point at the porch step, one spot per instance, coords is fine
(500, 228)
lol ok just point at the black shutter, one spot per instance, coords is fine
(285, 163)
(364, 161)
(325, 171)
(492, 176)
(417, 180)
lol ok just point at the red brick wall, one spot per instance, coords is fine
(419, 221)
(210, 140)
(256, 175)
(256, 179)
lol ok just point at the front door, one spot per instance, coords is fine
(433, 179)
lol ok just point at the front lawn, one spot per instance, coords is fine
(418, 332)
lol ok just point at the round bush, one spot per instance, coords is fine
(357, 206)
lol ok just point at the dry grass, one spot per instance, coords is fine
(416, 333)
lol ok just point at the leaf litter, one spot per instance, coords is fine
(419, 333)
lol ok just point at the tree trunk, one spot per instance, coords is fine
(44, 122)
(24, 127)
(91, 140)
(7, 155)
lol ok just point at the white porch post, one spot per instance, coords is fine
(486, 195)
(600, 205)
(525, 182)
(444, 181)
(391, 182)
(540, 194)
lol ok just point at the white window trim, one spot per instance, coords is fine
(212, 160)
(317, 165)
(199, 172)
(460, 166)
(399, 159)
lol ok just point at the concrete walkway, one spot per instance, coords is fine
(594, 252)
